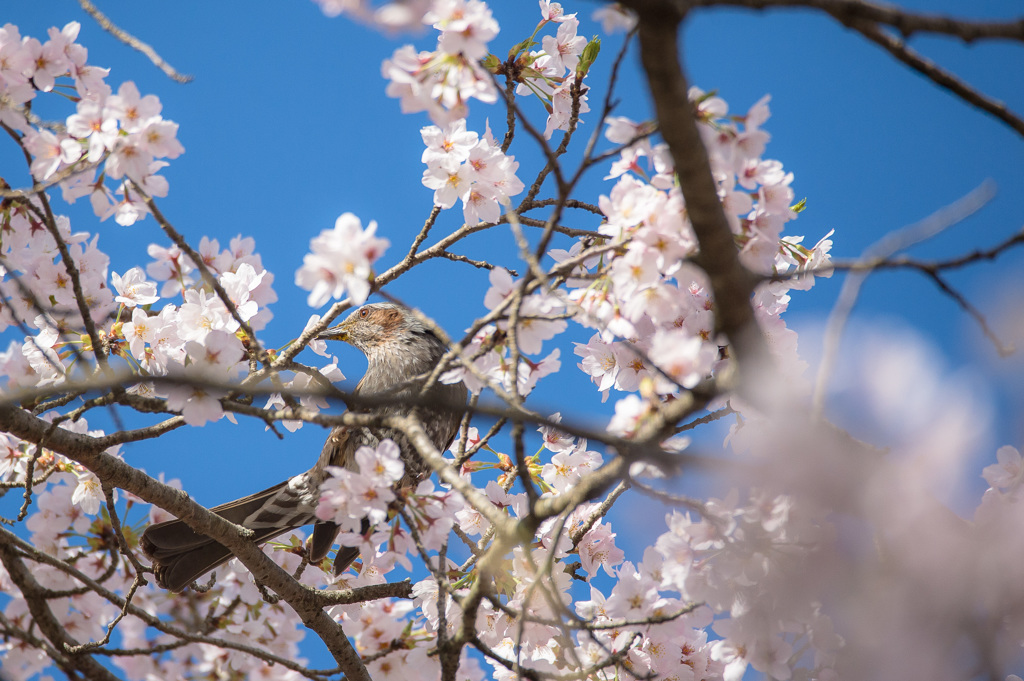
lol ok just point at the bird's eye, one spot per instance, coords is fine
(363, 312)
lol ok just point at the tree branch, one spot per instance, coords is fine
(731, 283)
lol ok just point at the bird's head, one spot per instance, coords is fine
(377, 325)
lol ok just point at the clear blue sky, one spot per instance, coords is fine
(286, 126)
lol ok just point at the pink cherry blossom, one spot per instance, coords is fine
(1008, 474)
(131, 108)
(614, 17)
(449, 147)
(133, 289)
(215, 359)
(466, 26)
(565, 47)
(88, 494)
(50, 152)
(341, 260)
(90, 123)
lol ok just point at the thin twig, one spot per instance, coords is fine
(905, 21)
(1003, 349)
(133, 42)
(938, 75)
(890, 244)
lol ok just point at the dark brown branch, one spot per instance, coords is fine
(905, 21)
(47, 622)
(707, 418)
(974, 256)
(731, 283)
(941, 77)
(1001, 348)
(85, 450)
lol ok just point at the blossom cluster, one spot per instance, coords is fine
(197, 338)
(348, 496)
(552, 73)
(539, 319)
(761, 544)
(463, 166)
(762, 565)
(66, 523)
(667, 636)
(442, 82)
(648, 304)
(123, 132)
(340, 260)
(366, 493)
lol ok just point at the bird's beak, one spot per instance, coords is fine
(338, 332)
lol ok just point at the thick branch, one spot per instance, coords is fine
(44, 618)
(112, 471)
(731, 283)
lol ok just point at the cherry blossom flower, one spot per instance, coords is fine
(50, 152)
(215, 359)
(449, 185)
(466, 26)
(140, 331)
(552, 11)
(1008, 474)
(450, 147)
(202, 313)
(629, 412)
(600, 362)
(132, 109)
(685, 359)
(341, 260)
(567, 467)
(133, 289)
(555, 440)
(565, 46)
(239, 286)
(159, 138)
(614, 17)
(383, 465)
(128, 158)
(473, 522)
(46, 365)
(562, 105)
(48, 61)
(91, 123)
(349, 496)
(88, 494)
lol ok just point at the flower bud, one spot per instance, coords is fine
(588, 56)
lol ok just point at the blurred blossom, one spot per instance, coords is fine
(340, 260)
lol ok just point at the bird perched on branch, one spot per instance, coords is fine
(398, 348)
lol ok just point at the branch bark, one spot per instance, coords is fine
(83, 449)
(731, 283)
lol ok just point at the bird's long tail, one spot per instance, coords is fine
(180, 554)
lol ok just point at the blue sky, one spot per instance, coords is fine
(286, 126)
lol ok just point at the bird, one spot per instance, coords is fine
(400, 350)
